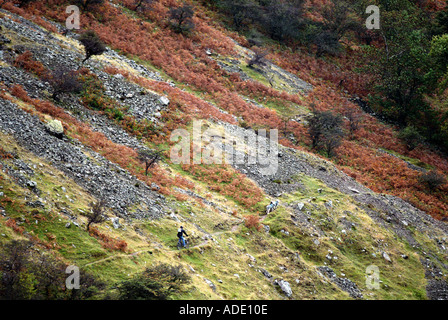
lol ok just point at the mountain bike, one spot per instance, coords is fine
(180, 246)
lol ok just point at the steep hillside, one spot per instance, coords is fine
(332, 222)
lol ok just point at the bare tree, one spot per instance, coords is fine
(30, 273)
(63, 80)
(149, 158)
(285, 119)
(13, 261)
(259, 59)
(354, 120)
(96, 214)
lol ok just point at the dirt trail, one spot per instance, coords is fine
(233, 229)
(116, 256)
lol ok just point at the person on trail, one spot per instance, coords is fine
(269, 207)
(275, 204)
(180, 233)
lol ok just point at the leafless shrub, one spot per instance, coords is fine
(259, 59)
(96, 214)
(149, 158)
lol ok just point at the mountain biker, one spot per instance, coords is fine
(180, 233)
(269, 207)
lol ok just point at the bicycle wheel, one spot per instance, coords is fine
(179, 245)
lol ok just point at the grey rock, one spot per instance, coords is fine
(342, 282)
(35, 204)
(251, 258)
(55, 128)
(386, 257)
(4, 40)
(266, 228)
(116, 222)
(32, 184)
(266, 273)
(155, 186)
(211, 284)
(164, 101)
(284, 286)
(101, 178)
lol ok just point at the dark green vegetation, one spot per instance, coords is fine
(409, 64)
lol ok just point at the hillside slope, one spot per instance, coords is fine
(327, 230)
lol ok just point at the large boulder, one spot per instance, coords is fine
(284, 285)
(164, 101)
(55, 128)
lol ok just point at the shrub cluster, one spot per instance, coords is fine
(27, 273)
(160, 282)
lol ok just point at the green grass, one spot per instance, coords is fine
(227, 255)
(403, 279)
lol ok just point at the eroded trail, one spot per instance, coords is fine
(211, 235)
(148, 249)
(117, 256)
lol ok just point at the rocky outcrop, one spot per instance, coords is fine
(121, 190)
(388, 211)
(54, 127)
(100, 177)
(345, 284)
(284, 81)
(284, 286)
